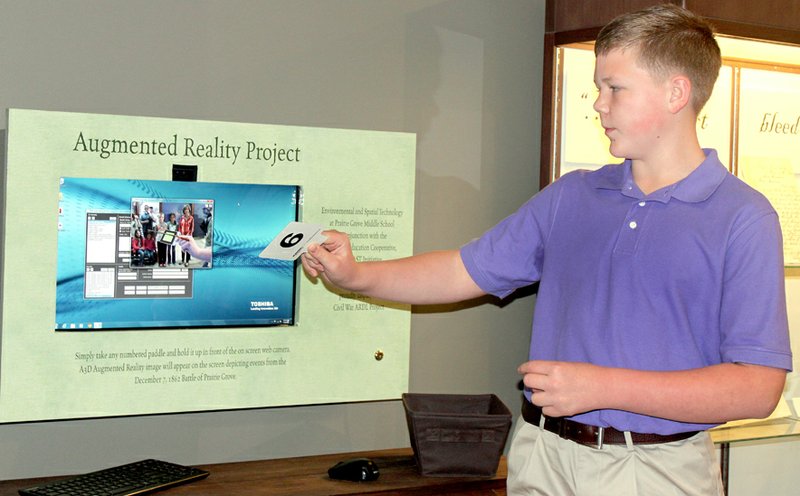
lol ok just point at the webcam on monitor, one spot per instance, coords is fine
(182, 172)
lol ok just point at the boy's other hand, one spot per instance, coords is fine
(561, 389)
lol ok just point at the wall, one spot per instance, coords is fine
(465, 75)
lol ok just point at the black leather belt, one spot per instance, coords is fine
(591, 435)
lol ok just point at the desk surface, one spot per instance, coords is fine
(767, 429)
(308, 476)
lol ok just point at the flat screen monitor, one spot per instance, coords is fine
(106, 280)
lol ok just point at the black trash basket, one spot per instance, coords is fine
(457, 435)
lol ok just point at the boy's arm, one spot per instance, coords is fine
(429, 278)
(714, 394)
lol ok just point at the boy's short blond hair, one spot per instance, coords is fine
(668, 39)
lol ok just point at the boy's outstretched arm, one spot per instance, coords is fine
(429, 278)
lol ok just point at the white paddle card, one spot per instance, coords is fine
(293, 241)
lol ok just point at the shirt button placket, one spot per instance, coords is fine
(633, 224)
(629, 236)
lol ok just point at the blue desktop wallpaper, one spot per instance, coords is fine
(232, 292)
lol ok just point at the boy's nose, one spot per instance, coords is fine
(599, 105)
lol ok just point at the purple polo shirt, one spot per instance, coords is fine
(688, 276)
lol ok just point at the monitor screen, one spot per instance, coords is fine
(125, 260)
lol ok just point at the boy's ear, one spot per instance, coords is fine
(680, 93)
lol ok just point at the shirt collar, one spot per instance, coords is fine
(696, 187)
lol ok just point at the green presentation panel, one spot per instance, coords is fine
(126, 292)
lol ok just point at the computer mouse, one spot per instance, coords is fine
(355, 469)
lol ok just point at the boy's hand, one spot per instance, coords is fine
(562, 389)
(332, 260)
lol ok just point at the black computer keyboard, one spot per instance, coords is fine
(140, 477)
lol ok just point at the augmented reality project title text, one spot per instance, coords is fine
(186, 147)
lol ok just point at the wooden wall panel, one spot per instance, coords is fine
(569, 15)
(782, 14)
(777, 20)
(774, 20)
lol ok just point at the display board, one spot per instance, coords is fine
(769, 146)
(48, 374)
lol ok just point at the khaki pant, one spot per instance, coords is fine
(542, 464)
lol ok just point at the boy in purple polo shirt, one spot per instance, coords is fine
(661, 306)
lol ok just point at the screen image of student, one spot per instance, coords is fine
(149, 249)
(136, 224)
(190, 246)
(172, 225)
(161, 249)
(141, 254)
(136, 246)
(208, 227)
(147, 220)
(186, 228)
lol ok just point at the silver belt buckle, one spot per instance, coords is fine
(600, 433)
